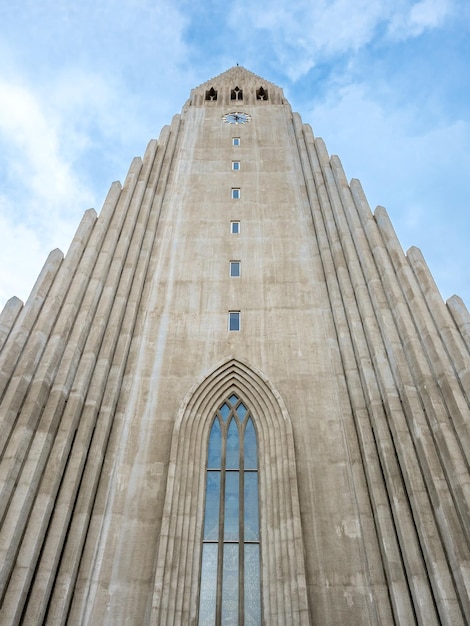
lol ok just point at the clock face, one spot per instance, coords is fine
(236, 118)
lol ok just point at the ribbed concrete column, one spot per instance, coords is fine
(436, 558)
(452, 353)
(444, 324)
(112, 262)
(461, 317)
(32, 357)
(83, 598)
(72, 549)
(349, 363)
(396, 578)
(8, 317)
(430, 463)
(407, 330)
(416, 573)
(20, 334)
(26, 420)
(72, 473)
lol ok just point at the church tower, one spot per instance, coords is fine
(235, 400)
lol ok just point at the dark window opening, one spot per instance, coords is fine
(262, 94)
(236, 94)
(211, 94)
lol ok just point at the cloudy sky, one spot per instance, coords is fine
(84, 86)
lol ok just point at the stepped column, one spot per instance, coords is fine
(83, 446)
(363, 316)
(26, 321)
(42, 446)
(370, 421)
(461, 317)
(8, 317)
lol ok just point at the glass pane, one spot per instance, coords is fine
(235, 228)
(233, 399)
(215, 446)
(234, 320)
(251, 506)
(232, 459)
(251, 460)
(241, 411)
(230, 585)
(208, 595)
(234, 268)
(225, 411)
(231, 522)
(211, 516)
(252, 586)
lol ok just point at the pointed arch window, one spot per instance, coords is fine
(236, 94)
(230, 586)
(211, 94)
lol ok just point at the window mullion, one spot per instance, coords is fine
(220, 556)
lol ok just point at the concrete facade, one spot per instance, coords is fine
(355, 370)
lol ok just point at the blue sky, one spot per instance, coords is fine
(84, 86)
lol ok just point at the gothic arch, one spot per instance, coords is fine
(175, 598)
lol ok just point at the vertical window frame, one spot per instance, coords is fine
(235, 268)
(233, 411)
(235, 227)
(235, 317)
(236, 193)
(235, 141)
(236, 166)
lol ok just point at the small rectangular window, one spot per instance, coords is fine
(235, 165)
(235, 228)
(235, 141)
(234, 320)
(235, 193)
(235, 268)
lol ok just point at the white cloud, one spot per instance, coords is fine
(33, 153)
(404, 165)
(305, 33)
(423, 15)
(42, 195)
(85, 87)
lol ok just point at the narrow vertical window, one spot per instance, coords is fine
(235, 193)
(235, 165)
(235, 228)
(234, 320)
(230, 591)
(235, 267)
(235, 141)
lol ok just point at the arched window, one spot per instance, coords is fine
(236, 94)
(230, 590)
(211, 94)
(232, 408)
(262, 94)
